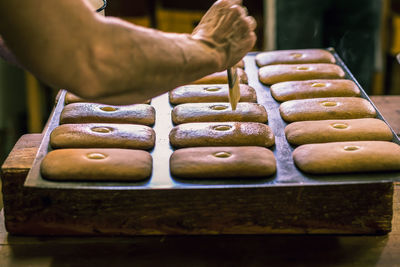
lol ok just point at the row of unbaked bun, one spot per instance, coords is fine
(336, 129)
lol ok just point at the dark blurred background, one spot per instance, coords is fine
(365, 33)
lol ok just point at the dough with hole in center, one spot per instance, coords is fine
(298, 72)
(343, 157)
(97, 164)
(203, 93)
(326, 109)
(295, 56)
(285, 91)
(93, 112)
(221, 134)
(219, 112)
(103, 135)
(308, 132)
(222, 162)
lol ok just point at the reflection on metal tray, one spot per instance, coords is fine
(287, 173)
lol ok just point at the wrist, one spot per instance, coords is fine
(215, 54)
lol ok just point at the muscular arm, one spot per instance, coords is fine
(67, 45)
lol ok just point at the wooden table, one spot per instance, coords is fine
(244, 250)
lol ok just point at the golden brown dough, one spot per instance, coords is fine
(342, 157)
(222, 77)
(219, 112)
(326, 109)
(297, 56)
(198, 93)
(93, 112)
(97, 164)
(285, 91)
(103, 135)
(297, 72)
(308, 132)
(221, 134)
(222, 162)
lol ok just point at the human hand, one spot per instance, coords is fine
(228, 29)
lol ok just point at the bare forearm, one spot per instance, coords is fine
(67, 45)
(162, 61)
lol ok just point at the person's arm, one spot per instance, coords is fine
(67, 45)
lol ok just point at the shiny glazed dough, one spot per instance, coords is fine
(307, 132)
(97, 164)
(297, 72)
(222, 162)
(326, 109)
(221, 134)
(299, 56)
(342, 157)
(219, 112)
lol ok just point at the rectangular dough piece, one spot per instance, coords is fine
(291, 90)
(221, 134)
(345, 157)
(96, 164)
(103, 135)
(222, 162)
(308, 132)
(218, 112)
(93, 112)
(222, 78)
(199, 93)
(298, 72)
(72, 98)
(297, 56)
(326, 109)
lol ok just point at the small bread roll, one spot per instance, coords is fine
(199, 93)
(342, 157)
(299, 56)
(308, 132)
(222, 77)
(298, 72)
(93, 112)
(96, 164)
(222, 162)
(326, 109)
(102, 135)
(221, 134)
(219, 112)
(285, 91)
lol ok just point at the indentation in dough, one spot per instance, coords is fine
(212, 88)
(296, 55)
(218, 107)
(351, 148)
(96, 155)
(303, 68)
(102, 129)
(339, 125)
(222, 127)
(318, 85)
(108, 109)
(222, 154)
(329, 104)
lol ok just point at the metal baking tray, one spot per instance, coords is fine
(287, 173)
